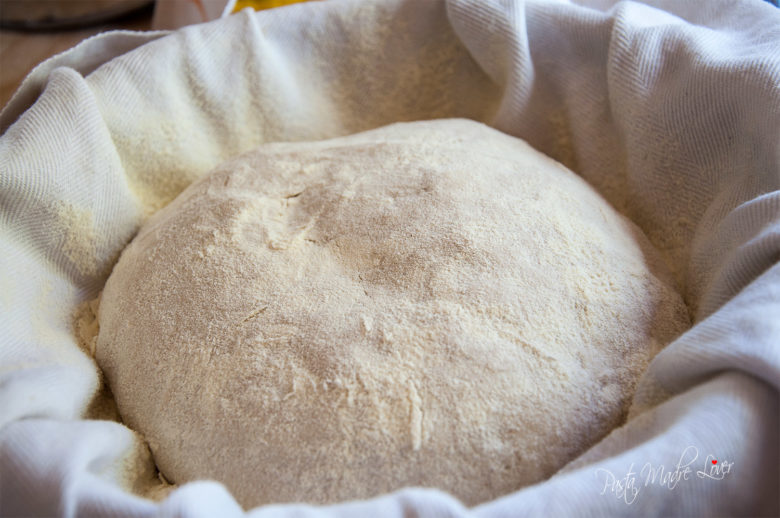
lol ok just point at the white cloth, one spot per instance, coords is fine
(670, 109)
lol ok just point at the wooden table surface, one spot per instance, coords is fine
(20, 51)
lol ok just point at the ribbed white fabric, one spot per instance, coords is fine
(670, 109)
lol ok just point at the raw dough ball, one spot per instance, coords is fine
(428, 304)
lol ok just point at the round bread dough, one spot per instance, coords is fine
(426, 304)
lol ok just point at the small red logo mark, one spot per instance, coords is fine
(714, 461)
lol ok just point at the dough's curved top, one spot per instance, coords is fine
(429, 304)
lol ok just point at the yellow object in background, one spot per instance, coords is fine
(258, 5)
